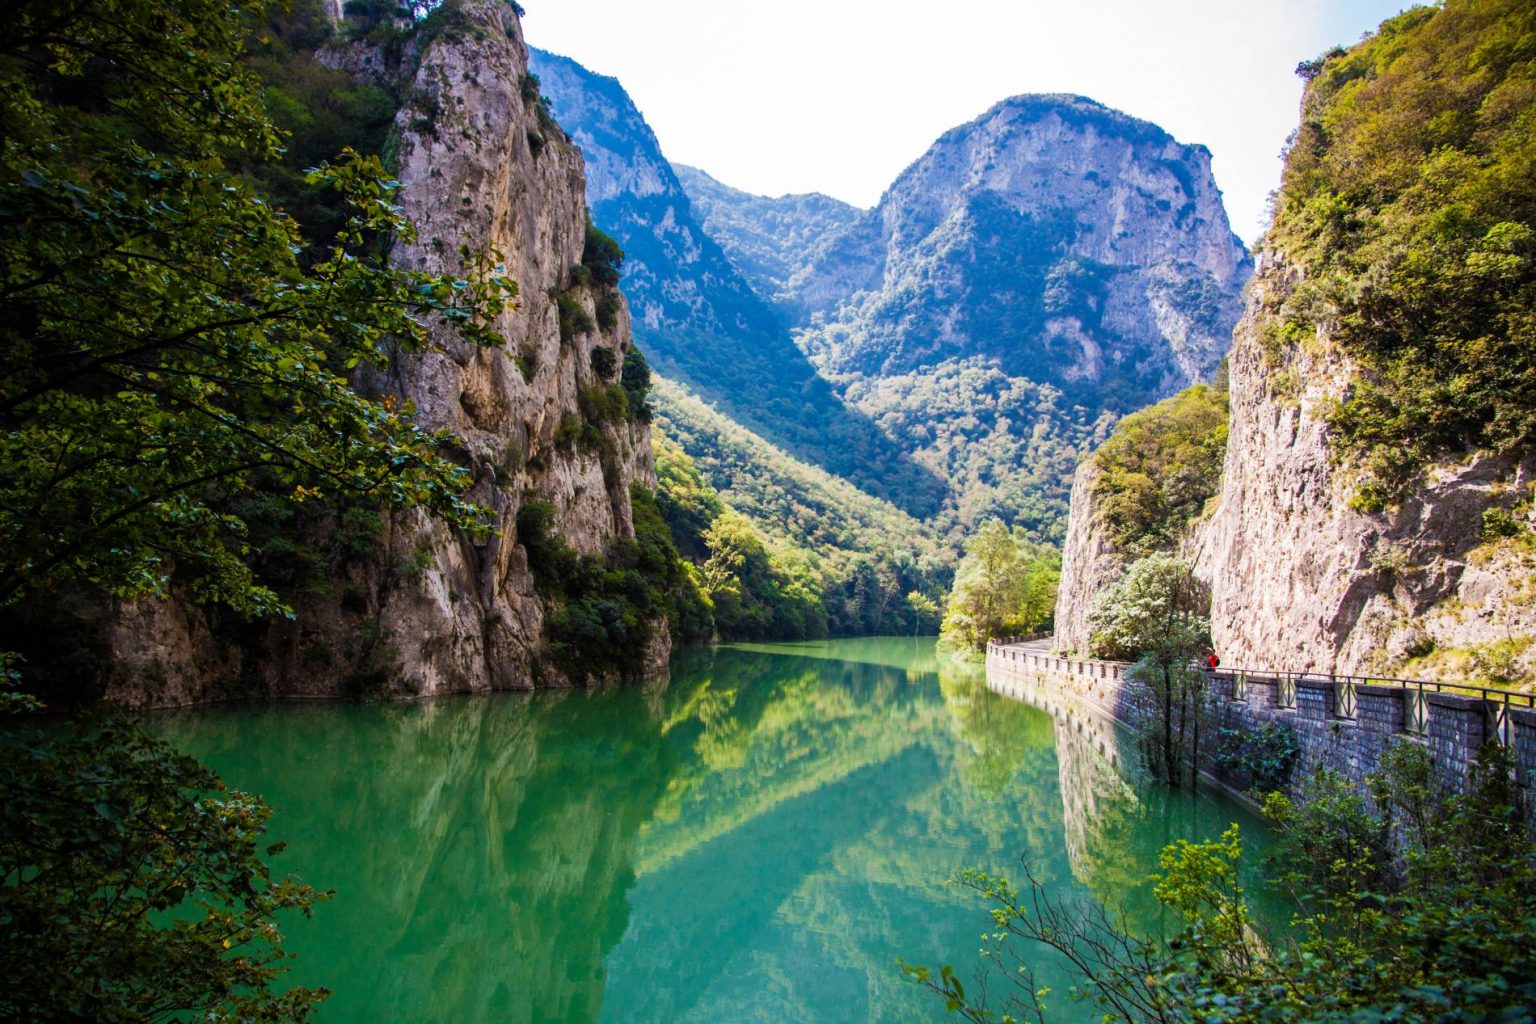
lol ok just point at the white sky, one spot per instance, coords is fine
(838, 96)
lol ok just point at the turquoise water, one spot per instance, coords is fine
(758, 840)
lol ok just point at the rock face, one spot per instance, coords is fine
(434, 611)
(1090, 563)
(1301, 581)
(1066, 241)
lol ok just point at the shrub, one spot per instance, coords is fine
(601, 256)
(602, 609)
(636, 381)
(603, 361)
(603, 403)
(608, 305)
(574, 319)
(1265, 756)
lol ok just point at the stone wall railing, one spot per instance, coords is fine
(1344, 723)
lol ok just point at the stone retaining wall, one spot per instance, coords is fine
(1339, 725)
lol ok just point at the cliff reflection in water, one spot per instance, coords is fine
(758, 840)
(1115, 822)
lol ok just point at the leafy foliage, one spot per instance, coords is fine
(964, 419)
(1158, 608)
(604, 609)
(318, 110)
(760, 593)
(1264, 756)
(601, 258)
(1005, 586)
(1424, 909)
(134, 886)
(1409, 196)
(1159, 615)
(1160, 466)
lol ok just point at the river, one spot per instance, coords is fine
(757, 840)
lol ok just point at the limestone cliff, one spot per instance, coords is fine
(1073, 244)
(1301, 580)
(483, 165)
(1090, 562)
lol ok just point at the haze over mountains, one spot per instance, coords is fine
(1037, 273)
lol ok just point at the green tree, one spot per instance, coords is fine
(171, 347)
(1159, 616)
(924, 609)
(1004, 585)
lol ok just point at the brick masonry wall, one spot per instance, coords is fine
(1454, 726)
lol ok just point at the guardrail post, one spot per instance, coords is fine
(1285, 697)
(1498, 720)
(1345, 704)
(1415, 710)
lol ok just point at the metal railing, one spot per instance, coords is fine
(1496, 703)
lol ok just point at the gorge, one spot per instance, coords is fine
(361, 354)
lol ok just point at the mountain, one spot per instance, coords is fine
(697, 318)
(1036, 274)
(775, 243)
(1059, 239)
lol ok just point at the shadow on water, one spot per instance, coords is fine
(758, 840)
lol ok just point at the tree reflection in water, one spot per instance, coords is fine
(757, 840)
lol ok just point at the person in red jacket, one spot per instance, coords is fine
(1211, 661)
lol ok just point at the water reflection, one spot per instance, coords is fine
(758, 840)
(1115, 822)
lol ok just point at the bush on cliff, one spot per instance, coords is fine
(1160, 467)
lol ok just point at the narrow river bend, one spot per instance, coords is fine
(758, 840)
